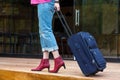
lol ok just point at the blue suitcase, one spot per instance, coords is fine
(84, 47)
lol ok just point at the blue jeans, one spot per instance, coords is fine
(45, 16)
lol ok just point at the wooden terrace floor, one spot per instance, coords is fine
(20, 69)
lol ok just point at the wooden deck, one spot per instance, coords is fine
(19, 69)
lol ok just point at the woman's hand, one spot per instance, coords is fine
(57, 6)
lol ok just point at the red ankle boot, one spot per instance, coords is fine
(58, 64)
(44, 64)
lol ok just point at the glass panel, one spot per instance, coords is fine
(100, 17)
(109, 16)
(110, 27)
(18, 22)
(108, 44)
(91, 16)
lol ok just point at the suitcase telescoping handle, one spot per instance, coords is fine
(64, 23)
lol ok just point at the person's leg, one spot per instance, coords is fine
(50, 41)
(45, 55)
(44, 63)
(47, 38)
(55, 53)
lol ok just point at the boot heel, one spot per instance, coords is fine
(48, 68)
(64, 66)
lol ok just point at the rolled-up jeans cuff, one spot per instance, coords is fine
(50, 49)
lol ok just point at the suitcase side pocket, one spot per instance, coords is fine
(99, 59)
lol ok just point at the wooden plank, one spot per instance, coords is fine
(16, 75)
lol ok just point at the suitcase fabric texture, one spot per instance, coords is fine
(84, 47)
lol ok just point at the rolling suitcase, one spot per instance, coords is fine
(84, 47)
